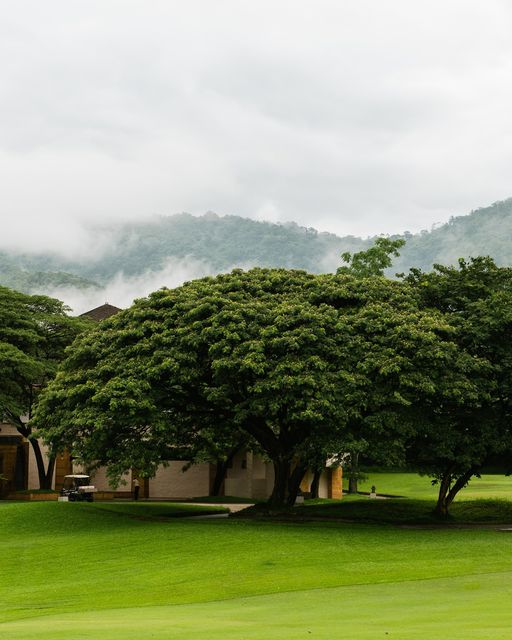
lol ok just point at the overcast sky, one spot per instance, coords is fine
(353, 116)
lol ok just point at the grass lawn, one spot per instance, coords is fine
(159, 510)
(402, 511)
(87, 571)
(412, 485)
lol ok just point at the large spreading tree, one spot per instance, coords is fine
(295, 364)
(34, 333)
(453, 441)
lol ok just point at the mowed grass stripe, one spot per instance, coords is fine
(60, 558)
(469, 607)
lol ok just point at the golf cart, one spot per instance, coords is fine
(77, 488)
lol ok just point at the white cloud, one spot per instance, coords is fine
(356, 118)
(122, 290)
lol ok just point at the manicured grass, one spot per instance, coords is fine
(88, 571)
(466, 608)
(412, 485)
(404, 511)
(159, 509)
(224, 500)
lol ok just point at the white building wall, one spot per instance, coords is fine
(323, 485)
(237, 482)
(100, 480)
(172, 482)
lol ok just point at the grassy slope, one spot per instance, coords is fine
(486, 500)
(412, 485)
(399, 511)
(79, 571)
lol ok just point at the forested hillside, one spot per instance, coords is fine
(28, 280)
(486, 231)
(220, 242)
(224, 242)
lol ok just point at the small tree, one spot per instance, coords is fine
(34, 333)
(372, 261)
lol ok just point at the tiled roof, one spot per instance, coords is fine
(100, 313)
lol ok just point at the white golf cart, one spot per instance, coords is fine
(77, 488)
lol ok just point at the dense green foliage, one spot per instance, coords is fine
(453, 442)
(34, 333)
(302, 365)
(134, 578)
(369, 263)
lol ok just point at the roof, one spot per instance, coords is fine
(101, 313)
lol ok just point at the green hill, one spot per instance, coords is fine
(32, 281)
(224, 242)
(220, 242)
(486, 231)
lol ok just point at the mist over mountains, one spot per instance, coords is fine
(138, 257)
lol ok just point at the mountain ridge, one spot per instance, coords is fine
(225, 242)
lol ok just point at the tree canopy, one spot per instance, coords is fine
(373, 261)
(453, 442)
(34, 333)
(296, 363)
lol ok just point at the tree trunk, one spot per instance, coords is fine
(315, 483)
(45, 474)
(441, 510)
(460, 483)
(281, 477)
(220, 474)
(221, 470)
(353, 473)
(294, 482)
(352, 484)
(286, 482)
(447, 491)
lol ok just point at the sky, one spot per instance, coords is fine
(352, 116)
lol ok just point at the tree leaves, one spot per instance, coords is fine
(295, 363)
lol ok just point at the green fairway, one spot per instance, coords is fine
(412, 485)
(473, 607)
(87, 571)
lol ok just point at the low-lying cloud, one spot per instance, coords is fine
(122, 290)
